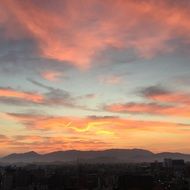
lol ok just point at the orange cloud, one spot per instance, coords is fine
(53, 97)
(10, 93)
(81, 124)
(158, 101)
(108, 132)
(149, 108)
(171, 97)
(51, 75)
(44, 144)
(93, 26)
(65, 124)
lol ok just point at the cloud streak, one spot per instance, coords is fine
(158, 101)
(149, 108)
(20, 95)
(53, 97)
(47, 143)
(51, 75)
(88, 132)
(160, 94)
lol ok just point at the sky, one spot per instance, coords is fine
(94, 75)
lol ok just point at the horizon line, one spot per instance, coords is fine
(90, 150)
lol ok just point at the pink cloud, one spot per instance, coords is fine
(149, 108)
(27, 96)
(75, 32)
(159, 101)
(51, 75)
(171, 97)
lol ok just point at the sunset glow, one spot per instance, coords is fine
(93, 75)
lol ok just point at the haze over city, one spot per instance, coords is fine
(94, 75)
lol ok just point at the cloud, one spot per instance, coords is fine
(157, 101)
(53, 97)
(20, 95)
(44, 144)
(105, 132)
(68, 125)
(88, 125)
(147, 27)
(132, 107)
(149, 108)
(154, 90)
(58, 96)
(160, 94)
(41, 84)
(51, 75)
(95, 117)
(89, 96)
(21, 57)
(110, 79)
(3, 137)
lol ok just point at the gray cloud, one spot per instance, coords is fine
(95, 117)
(153, 90)
(53, 97)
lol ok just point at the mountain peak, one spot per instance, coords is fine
(31, 153)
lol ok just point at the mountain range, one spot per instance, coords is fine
(104, 156)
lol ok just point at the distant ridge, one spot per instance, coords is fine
(104, 156)
(21, 157)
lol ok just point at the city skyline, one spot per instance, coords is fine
(94, 75)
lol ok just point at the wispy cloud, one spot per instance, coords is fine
(72, 124)
(110, 79)
(100, 130)
(158, 101)
(20, 95)
(149, 108)
(51, 75)
(160, 94)
(44, 144)
(53, 97)
(147, 27)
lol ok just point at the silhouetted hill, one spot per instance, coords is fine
(176, 155)
(22, 157)
(106, 156)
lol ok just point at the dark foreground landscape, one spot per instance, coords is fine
(172, 173)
